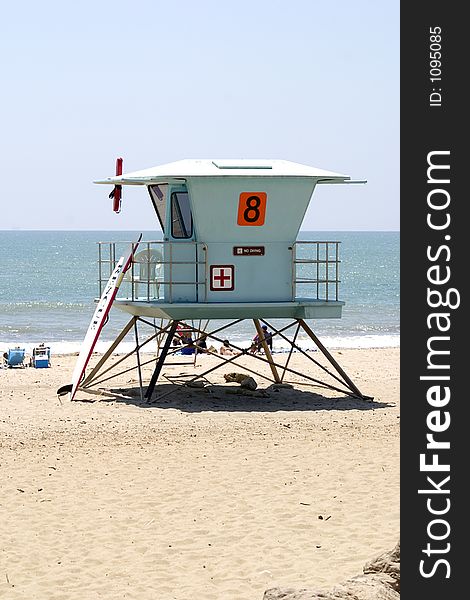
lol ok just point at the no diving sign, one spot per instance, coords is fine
(222, 278)
(248, 250)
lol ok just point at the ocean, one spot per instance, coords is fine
(49, 281)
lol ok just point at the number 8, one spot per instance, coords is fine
(252, 208)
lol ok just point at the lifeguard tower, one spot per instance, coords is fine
(229, 252)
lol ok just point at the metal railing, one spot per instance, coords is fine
(315, 270)
(151, 277)
(315, 273)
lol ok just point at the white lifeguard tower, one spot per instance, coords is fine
(229, 252)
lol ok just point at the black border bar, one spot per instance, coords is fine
(435, 434)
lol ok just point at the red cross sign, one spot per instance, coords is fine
(222, 278)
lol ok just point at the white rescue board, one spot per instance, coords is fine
(98, 320)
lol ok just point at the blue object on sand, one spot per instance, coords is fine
(188, 350)
(15, 357)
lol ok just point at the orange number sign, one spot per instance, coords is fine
(252, 208)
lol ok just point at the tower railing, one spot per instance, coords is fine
(151, 278)
(315, 270)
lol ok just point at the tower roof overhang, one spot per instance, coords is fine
(185, 169)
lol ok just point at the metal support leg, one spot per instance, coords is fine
(138, 358)
(335, 364)
(161, 360)
(290, 351)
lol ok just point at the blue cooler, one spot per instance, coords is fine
(41, 357)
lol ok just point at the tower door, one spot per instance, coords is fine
(180, 249)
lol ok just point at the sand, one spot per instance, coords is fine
(202, 494)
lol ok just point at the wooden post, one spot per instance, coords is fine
(108, 352)
(267, 351)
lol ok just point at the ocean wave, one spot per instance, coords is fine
(27, 305)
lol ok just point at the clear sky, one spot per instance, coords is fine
(155, 81)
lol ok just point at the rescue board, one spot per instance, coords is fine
(98, 320)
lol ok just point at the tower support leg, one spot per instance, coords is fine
(267, 351)
(109, 351)
(338, 380)
(161, 360)
(331, 359)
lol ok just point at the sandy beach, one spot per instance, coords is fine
(206, 494)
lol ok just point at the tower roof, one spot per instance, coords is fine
(183, 169)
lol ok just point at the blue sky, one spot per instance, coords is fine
(310, 81)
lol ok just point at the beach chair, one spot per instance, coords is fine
(145, 273)
(41, 358)
(15, 357)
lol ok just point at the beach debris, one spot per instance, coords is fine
(243, 379)
(380, 580)
(246, 392)
(266, 572)
(281, 386)
(195, 384)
